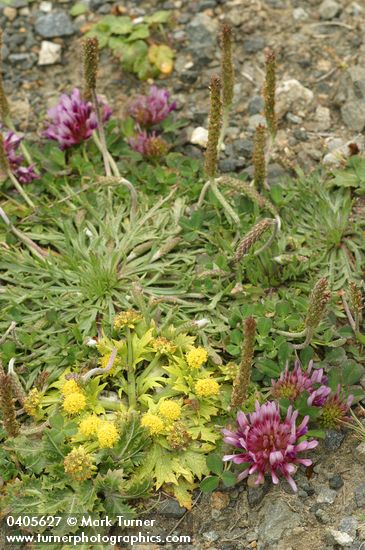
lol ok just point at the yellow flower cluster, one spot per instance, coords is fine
(89, 425)
(32, 402)
(163, 345)
(170, 410)
(153, 422)
(74, 402)
(127, 318)
(196, 357)
(79, 465)
(206, 387)
(70, 386)
(107, 434)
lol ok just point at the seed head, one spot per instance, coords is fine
(243, 378)
(90, 59)
(215, 121)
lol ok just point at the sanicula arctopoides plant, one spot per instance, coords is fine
(243, 378)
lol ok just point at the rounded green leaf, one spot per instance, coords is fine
(215, 464)
(209, 484)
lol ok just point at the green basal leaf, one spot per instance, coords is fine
(209, 484)
(215, 464)
(229, 479)
(352, 372)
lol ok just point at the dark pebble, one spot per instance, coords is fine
(255, 105)
(54, 24)
(26, 60)
(227, 165)
(333, 440)
(256, 494)
(105, 9)
(300, 135)
(254, 44)
(335, 482)
(243, 147)
(171, 509)
(360, 495)
(95, 4)
(322, 516)
(206, 5)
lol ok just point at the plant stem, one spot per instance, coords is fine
(292, 334)
(203, 192)
(132, 398)
(229, 212)
(20, 190)
(26, 240)
(225, 119)
(104, 149)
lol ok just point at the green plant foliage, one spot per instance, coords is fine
(128, 41)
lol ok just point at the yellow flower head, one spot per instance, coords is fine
(170, 410)
(196, 357)
(70, 386)
(79, 465)
(32, 402)
(163, 345)
(206, 387)
(127, 318)
(107, 434)
(153, 422)
(74, 402)
(89, 425)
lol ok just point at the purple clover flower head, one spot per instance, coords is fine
(149, 110)
(73, 120)
(149, 145)
(319, 396)
(24, 174)
(335, 410)
(268, 444)
(292, 383)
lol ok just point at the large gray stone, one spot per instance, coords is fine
(54, 24)
(276, 518)
(353, 114)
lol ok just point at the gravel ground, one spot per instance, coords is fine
(320, 50)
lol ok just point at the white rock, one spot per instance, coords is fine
(292, 96)
(10, 13)
(199, 136)
(50, 53)
(340, 151)
(355, 9)
(323, 118)
(299, 14)
(46, 7)
(329, 9)
(341, 538)
(359, 452)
